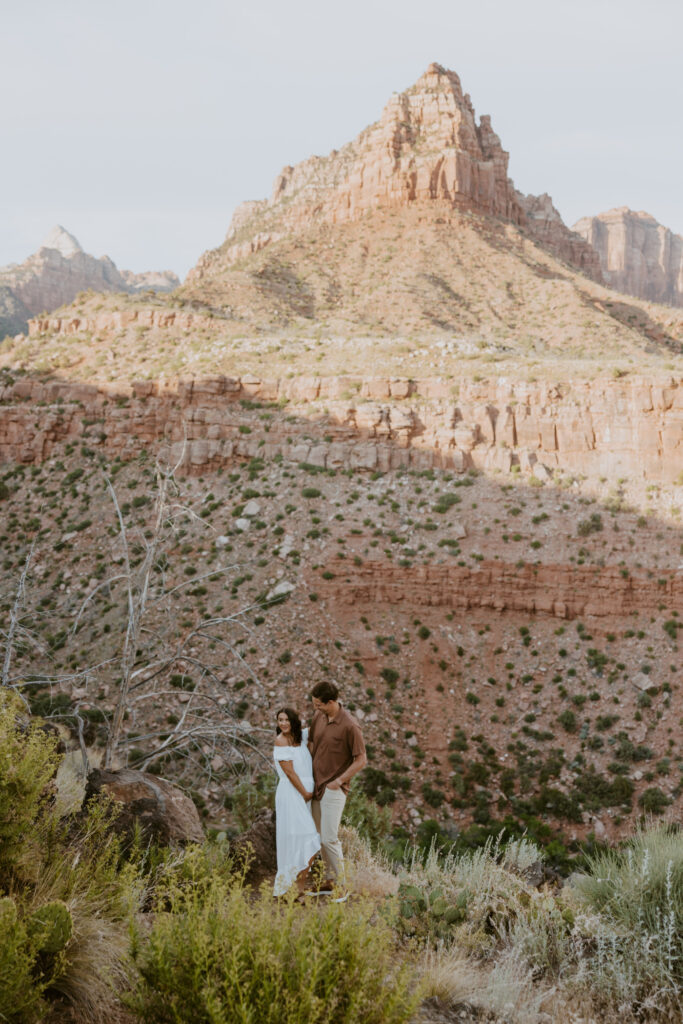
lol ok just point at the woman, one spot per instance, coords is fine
(297, 838)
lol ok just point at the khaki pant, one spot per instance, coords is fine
(327, 814)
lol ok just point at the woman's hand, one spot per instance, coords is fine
(307, 796)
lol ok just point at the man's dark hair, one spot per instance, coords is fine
(325, 692)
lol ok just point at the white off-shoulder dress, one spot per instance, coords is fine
(296, 835)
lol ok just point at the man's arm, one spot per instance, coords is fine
(359, 762)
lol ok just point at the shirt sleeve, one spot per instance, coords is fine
(356, 741)
(283, 754)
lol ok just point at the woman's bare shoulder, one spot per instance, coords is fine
(280, 741)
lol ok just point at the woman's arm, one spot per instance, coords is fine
(288, 769)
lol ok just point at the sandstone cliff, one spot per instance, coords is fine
(59, 270)
(427, 149)
(638, 255)
(545, 225)
(611, 428)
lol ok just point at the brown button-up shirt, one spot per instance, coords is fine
(334, 746)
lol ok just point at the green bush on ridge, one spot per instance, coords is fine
(224, 956)
(65, 896)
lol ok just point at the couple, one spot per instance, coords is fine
(314, 768)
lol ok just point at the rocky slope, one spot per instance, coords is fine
(57, 272)
(638, 255)
(510, 645)
(418, 451)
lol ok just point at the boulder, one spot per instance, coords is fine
(165, 813)
(280, 590)
(255, 849)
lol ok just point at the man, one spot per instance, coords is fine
(338, 751)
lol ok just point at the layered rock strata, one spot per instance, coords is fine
(118, 320)
(637, 255)
(562, 591)
(614, 428)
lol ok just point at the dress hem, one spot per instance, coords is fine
(277, 889)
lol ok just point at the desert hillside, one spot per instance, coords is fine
(415, 444)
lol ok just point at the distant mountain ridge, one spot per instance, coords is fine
(55, 274)
(638, 255)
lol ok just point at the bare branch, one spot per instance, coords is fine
(197, 579)
(14, 618)
(89, 597)
(129, 642)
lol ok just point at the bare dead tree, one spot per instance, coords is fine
(209, 737)
(16, 629)
(208, 726)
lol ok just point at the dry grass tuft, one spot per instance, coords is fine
(368, 873)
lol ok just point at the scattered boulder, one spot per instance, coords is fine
(458, 529)
(165, 813)
(281, 590)
(255, 849)
(642, 682)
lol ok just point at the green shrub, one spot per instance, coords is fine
(638, 892)
(28, 762)
(20, 993)
(223, 956)
(653, 800)
(390, 676)
(567, 720)
(370, 818)
(245, 799)
(591, 525)
(63, 932)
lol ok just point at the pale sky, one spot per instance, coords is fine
(139, 125)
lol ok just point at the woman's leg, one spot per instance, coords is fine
(303, 877)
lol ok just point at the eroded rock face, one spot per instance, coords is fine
(427, 146)
(545, 225)
(637, 254)
(163, 811)
(630, 428)
(59, 270)
(13, 313)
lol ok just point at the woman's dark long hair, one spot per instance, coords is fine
(294, 721)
